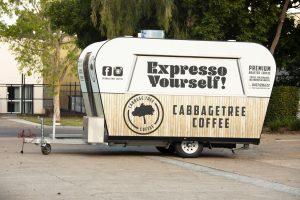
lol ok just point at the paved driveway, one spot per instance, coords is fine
(268, 171)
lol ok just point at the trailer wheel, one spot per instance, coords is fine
(46, 149)
(170, 149)
(189, 149)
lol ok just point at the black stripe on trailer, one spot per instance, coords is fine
(255, 141)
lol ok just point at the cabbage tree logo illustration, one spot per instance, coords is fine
(143, 114)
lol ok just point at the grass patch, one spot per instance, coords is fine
(294, 125)
(289, 123)
(64, 121)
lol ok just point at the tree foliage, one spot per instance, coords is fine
(283, 103)
(240, 20)
(119, 18)
(39, 48)
(74, 17)
(279, 25)
(287, 53)
(43, 25)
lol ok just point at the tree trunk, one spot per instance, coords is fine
(56, 103)
(279, 26)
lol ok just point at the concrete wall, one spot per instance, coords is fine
(3, 104)
(9, 74)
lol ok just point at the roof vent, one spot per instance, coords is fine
(158, 34)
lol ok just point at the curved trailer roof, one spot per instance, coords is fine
(184, 67)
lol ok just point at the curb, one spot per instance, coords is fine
(38, 125)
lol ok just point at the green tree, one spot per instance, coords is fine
(74, 17)
(3, 7)
(287, 53)
(241, 20)
(119, 18)
(39, 48)
(279, 26)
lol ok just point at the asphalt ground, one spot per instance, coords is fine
(11, 126)
(270, 170)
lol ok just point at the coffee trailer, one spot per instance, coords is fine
(177, 95)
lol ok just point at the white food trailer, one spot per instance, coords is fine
(177, 95)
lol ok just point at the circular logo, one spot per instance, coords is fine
(143, 114)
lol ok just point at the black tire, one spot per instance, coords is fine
(46, 149)
(189, 149)
(169, 150)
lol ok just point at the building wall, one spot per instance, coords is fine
(10, 75)
(3, 104)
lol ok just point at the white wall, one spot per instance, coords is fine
(9, 74)
(38, 104)
(3, 103)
